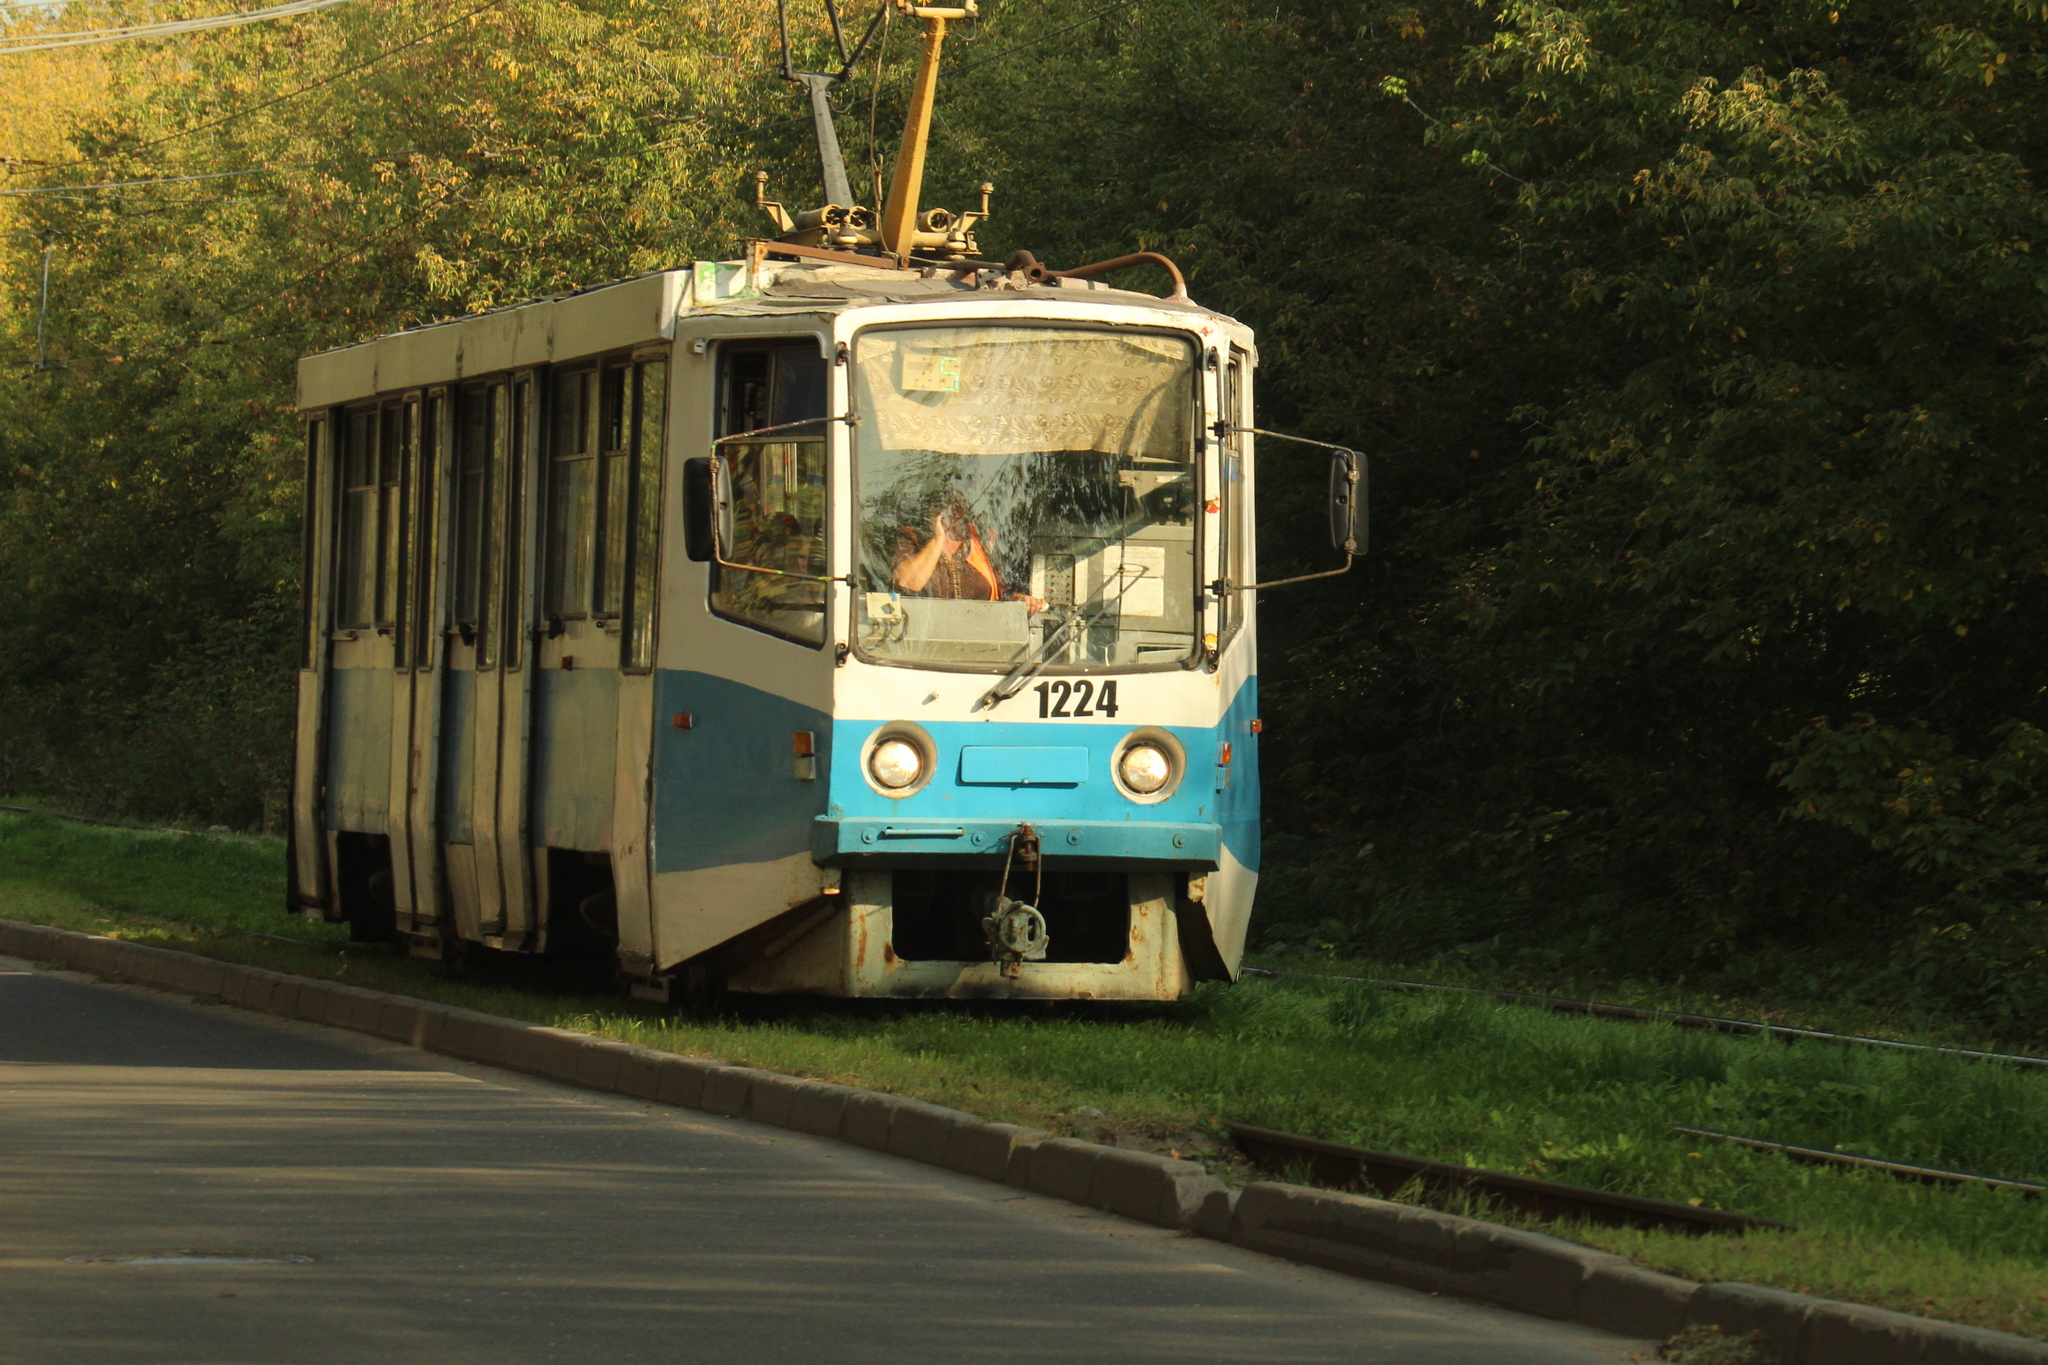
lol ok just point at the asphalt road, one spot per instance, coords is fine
(414, 1208)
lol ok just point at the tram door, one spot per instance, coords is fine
(416, 653)
(365, 732)
(585, 484)
(484, 733)
(592, 689)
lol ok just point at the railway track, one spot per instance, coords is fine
(1338, 1166)
(1822, 1156)
(1715, 1022)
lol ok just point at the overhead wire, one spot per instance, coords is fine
(395, 48)
(72, 192)
(130, 184)
(292, 94)
(44, 42)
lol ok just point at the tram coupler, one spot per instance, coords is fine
(1015, 930)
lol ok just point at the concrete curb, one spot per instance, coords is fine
(1370, 1238)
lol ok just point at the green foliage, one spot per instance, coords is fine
(150, 480)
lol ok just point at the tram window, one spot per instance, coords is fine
(391, 461)
(511, 568)
(398, 556)
(572, 494)
(426, 479)
(472, 502)
(651, 443)
(615, 482)
(309, 625)
(490, 547)
(355, 579)
(778, 486)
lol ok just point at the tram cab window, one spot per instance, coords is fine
(778, 483)
(1026, 493)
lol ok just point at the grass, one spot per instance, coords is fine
(1454, 1078)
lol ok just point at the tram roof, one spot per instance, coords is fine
(643, 309)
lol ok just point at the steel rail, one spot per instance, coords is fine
(1821, 1156)
(1340, 1166)
(1716, 1022)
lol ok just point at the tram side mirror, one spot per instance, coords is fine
(1347, 502)
(700, 508)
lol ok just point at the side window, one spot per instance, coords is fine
(355, 577)
(309, 625)
(650, 444)
(472, 504)
(509, 577)
(393, 450)
(615, 486)
(590, 492)
(778, 485)
(572, 494)
(416, 640)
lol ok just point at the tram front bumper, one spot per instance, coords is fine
(841, 841)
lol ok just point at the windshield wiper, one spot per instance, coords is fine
(1028, 668)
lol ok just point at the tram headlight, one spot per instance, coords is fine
(1145, 768)
(895, 764)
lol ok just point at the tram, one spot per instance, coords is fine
(856, 618)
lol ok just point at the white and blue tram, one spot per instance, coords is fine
(824, 622)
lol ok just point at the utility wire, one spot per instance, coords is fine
(169, 28)
(367, 62)
(126, 184)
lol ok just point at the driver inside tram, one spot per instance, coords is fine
(953, 561)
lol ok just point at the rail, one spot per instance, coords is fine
(1718, 1023)
(1344, 1167)
(1821, 1156)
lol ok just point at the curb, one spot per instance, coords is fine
(1353, 1234)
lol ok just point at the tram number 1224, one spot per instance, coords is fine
(1054, 698)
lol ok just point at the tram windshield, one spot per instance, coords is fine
(1026, 494)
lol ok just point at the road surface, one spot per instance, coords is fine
(184, 1184)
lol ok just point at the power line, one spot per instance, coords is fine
(127, 184)
(166, 29)
(395, 48)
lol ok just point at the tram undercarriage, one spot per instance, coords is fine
(917, 932)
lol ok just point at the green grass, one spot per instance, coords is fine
(1452, 1078)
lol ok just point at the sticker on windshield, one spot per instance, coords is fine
(931, 373)
(1134, 578)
